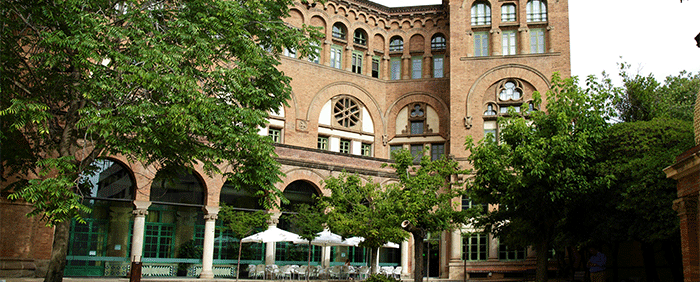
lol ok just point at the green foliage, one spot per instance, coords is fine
(362, 208)
(308, 221)
(170, 83)
(380, 278)
(425, 193)
(639, 204)
(242, 223)
(189, 250)
(541, 166)
(643, 98)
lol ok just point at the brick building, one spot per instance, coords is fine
(422, 77)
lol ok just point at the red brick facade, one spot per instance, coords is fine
(422, 107)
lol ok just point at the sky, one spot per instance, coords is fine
(653, 36)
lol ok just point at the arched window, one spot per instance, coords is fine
(490, 110)
(481, 13)
(510, 90)
(359, 37)
(396, 44)
(438, 42)
(536, 11)
(508, 13)
(339, 31)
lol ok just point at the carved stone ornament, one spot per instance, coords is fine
(211, 216)
(140, 212)
(385, 139)
(302, 125)
(468, 122)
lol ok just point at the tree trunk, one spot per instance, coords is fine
(238, 265)
(649, 262)
(417, 256)
(542, 261)
(59, 251)
(612, 257)
(373, 260)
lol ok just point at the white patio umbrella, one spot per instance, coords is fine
(272, 234)
(355, 241)
(324, 238)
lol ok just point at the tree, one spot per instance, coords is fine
(307, 222)
(540, 165)
(424, 199)
(242, 224)
(362, 208)
(168, 83)
(643, 98)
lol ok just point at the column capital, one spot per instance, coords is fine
(140, 212)
(211, 216)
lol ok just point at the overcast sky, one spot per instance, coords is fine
(654, 36)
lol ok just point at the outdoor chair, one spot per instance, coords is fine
(335, 271)
(397, 272)
(301, 271)
(271, 271)
(363, 272)
(259, 271)
(251, 270)
(322, 272)
(387, 271)
(284, 272)
(312, 271)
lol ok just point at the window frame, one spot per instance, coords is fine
(338, 31)
(396, 44)
(438, 42)
(376, 61)
(323, 143)
(438, 72)
(536, 11)
(275, 133)
(416, 67)
(481, 44)
(345, 146)
(356, 63)
(538, 41)
(336, 57)
(359, 37)
(509, 13)
(481, 14)
(395, 68)
(478, 251)
(510, 44)
(366, 149)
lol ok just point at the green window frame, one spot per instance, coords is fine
(417, 67)
(481, 44)
(158, 240)
(438, 66)
(395, 63)
(509, 42)
(506, 253)
(537, 41)
(508, 13)
(322, 143)
(357, 62)
(375, 66)
(481, 13)
(275, 134)
(416, 152)
(336, 58)
(367, 149)
(345, 146)
(536, 11)
(475, 247)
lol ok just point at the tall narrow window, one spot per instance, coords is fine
(375, 66)
(357, 62)
(437, 151)
(481, 44)
(394, 148)
(345, 146)
(509, 43)
(396, 44)
(417, 67)
(490, 110)
(508, 13)
(537, 43)
(438, 66)
(315, 54)
(366, 149)
(275, 134)
(323, 143)
(336, 56)
(536, 11)
(395, 68)
(481, 14)
(416, 152)
(290, 53)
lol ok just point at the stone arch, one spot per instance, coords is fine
(526, 73)
(432, 100)
(416, 42)
(379, 42)
(311, 176)
(296, 17)
(318, 21)
(347, 88)
(406, 24)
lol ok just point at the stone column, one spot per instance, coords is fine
(493, 247)
(549, 39)
(347, 58)
(456, 245)
(427, 66)
(406, 66)
(404, 257)
(208, 250)
(140, 212)
(385, 68)
(496, 44)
